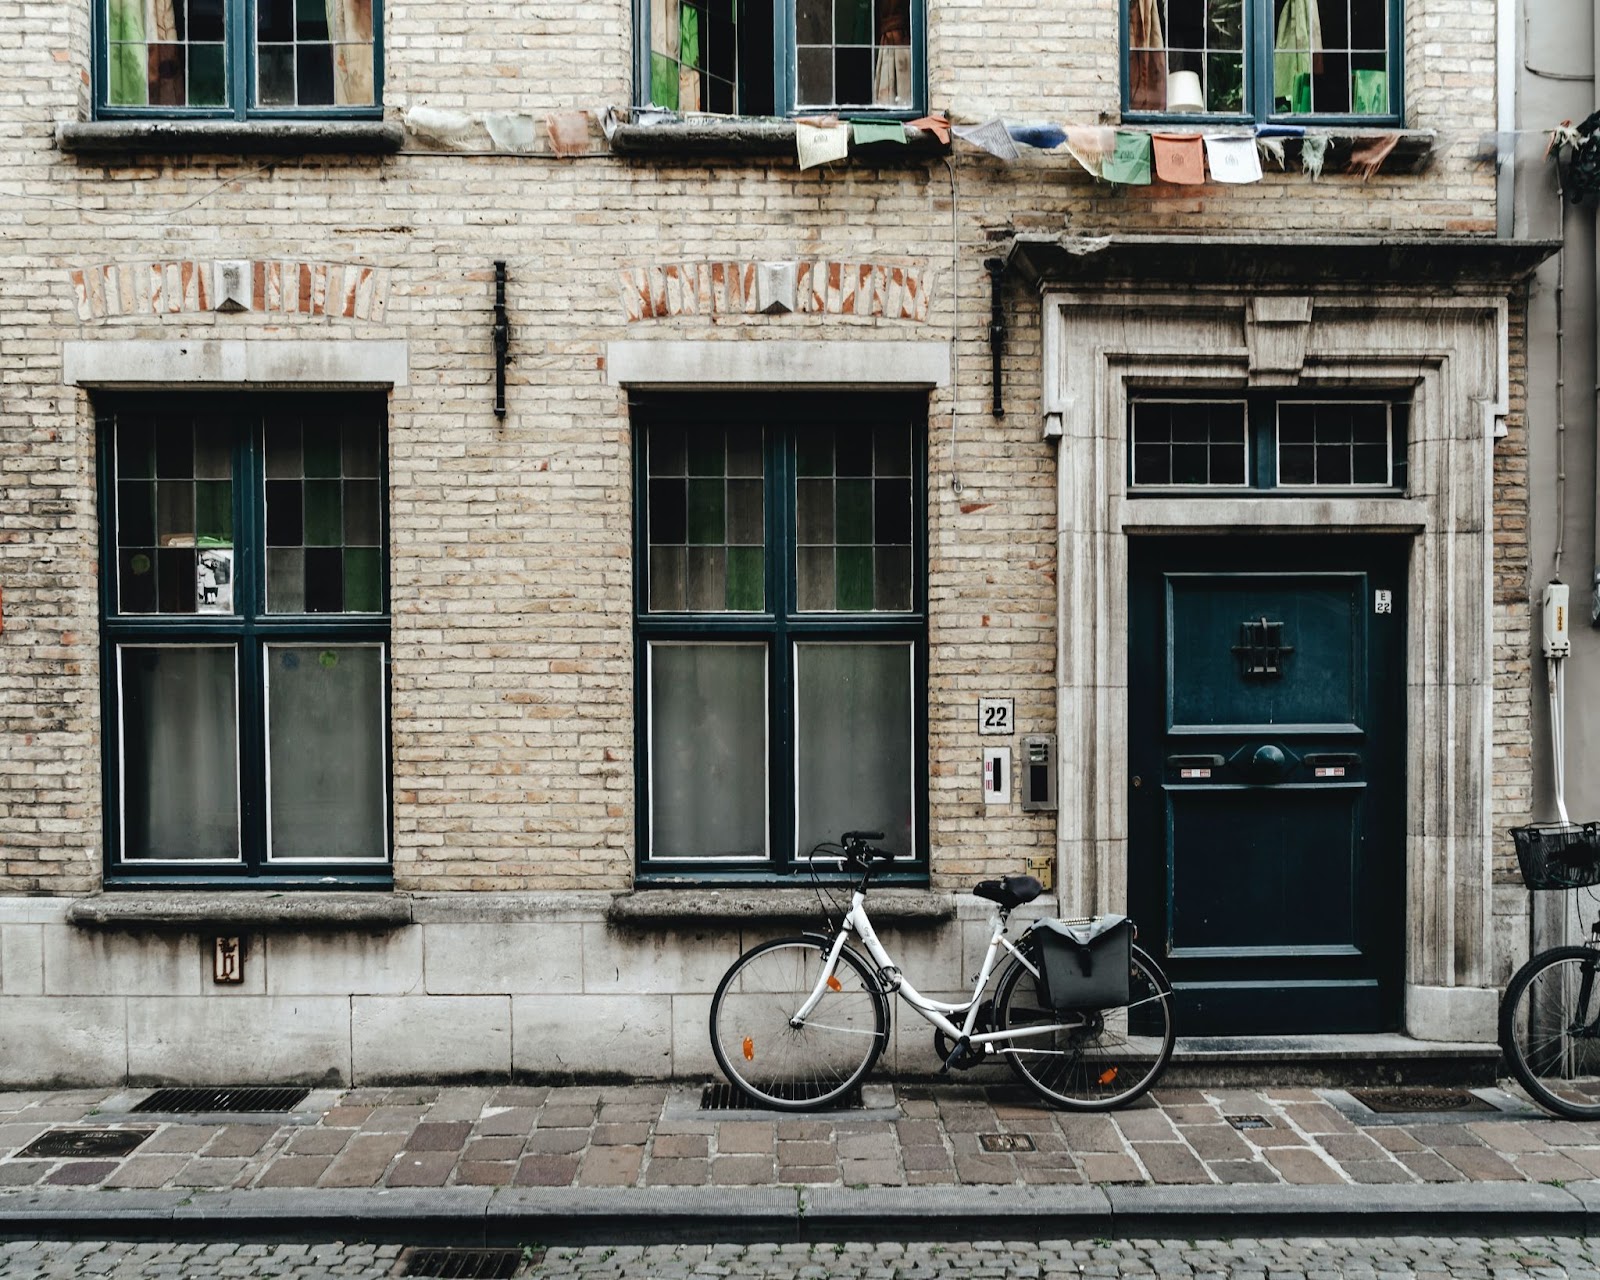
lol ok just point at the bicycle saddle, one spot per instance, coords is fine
(1009, 891)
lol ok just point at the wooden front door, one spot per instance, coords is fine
(1267, 743)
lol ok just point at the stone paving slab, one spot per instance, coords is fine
(488, 1154)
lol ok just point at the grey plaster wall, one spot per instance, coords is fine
(1555, 64)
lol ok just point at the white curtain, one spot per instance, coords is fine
(350, 29)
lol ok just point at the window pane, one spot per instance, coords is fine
(314, 53)
(323, 501)
(707, 531)
(162, 524)
(1334, 443)
(708, 750)
(854, 731)
(179, 749)
(326, 752)
(1204, 37)
(867, 503)
(1188, 442)
(1331, 57)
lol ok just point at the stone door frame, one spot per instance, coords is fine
(1101, 342)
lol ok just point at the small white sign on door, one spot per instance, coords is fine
(1382, 601)
(997, 775)
(997, 715)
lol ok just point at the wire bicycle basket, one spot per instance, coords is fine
(1559, 855)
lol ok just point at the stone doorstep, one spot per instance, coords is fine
(1332, 1061)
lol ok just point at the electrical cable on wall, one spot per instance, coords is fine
(955, 326)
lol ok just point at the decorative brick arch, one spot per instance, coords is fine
(348, 291)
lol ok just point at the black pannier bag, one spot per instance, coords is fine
(1084, 965)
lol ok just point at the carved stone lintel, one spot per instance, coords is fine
(1276, 328)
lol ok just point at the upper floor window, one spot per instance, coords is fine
(1263, 59)
(730, 57)
(238, 58)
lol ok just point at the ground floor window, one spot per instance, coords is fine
(245, 634)
(781, 629)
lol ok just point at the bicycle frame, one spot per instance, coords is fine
(938, 1012)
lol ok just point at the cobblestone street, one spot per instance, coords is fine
(1300, 1259)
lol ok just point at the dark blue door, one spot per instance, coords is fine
(1267, 744)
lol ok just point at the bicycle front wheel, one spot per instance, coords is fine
(1550, 1030)
(1092, 1059)
(792, 1066)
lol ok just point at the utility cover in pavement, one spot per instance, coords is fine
(1419, 1100)
(1248, 1122)
(82, 1143)
(1005, 1142)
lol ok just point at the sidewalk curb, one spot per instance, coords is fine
(683, 1215)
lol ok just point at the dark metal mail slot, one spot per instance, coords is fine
(1194, 762)
(1327, 758)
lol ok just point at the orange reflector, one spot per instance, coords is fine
(749, 1049)
(1106, 1076)
(833, 982)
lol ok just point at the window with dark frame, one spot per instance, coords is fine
(726, 57)
(239, 58)
(781, 631)
(1263, 59)
(1267, 441)
(245, 638)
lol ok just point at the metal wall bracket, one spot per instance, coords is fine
(502, 339)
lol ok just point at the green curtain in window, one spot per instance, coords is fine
(350, 30)
(1299, 36)
(126, 70)
(689, 58)
(143, 66)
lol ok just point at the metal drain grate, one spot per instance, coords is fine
(79, 1144)
(231, 1098)
(481, 1264)
(1419, 1101)
(724, 1097)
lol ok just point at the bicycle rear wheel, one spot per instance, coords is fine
(805, 1067)
(1550, 1030)
(1094, 1059)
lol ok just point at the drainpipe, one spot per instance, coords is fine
(1505, 142)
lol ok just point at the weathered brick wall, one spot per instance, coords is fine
(1513, 616)
(510, 566)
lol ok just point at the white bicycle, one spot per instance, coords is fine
(796, 1023)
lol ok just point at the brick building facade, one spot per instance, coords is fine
(523, 884)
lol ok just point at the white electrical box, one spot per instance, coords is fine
(1557, 641)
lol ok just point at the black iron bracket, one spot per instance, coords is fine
(502, 339)
(997, 331)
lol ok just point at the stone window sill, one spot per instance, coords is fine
(737, 136)
(103, 138)
(253, 912)
(654, 909)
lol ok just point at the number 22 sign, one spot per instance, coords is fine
(996, 715)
